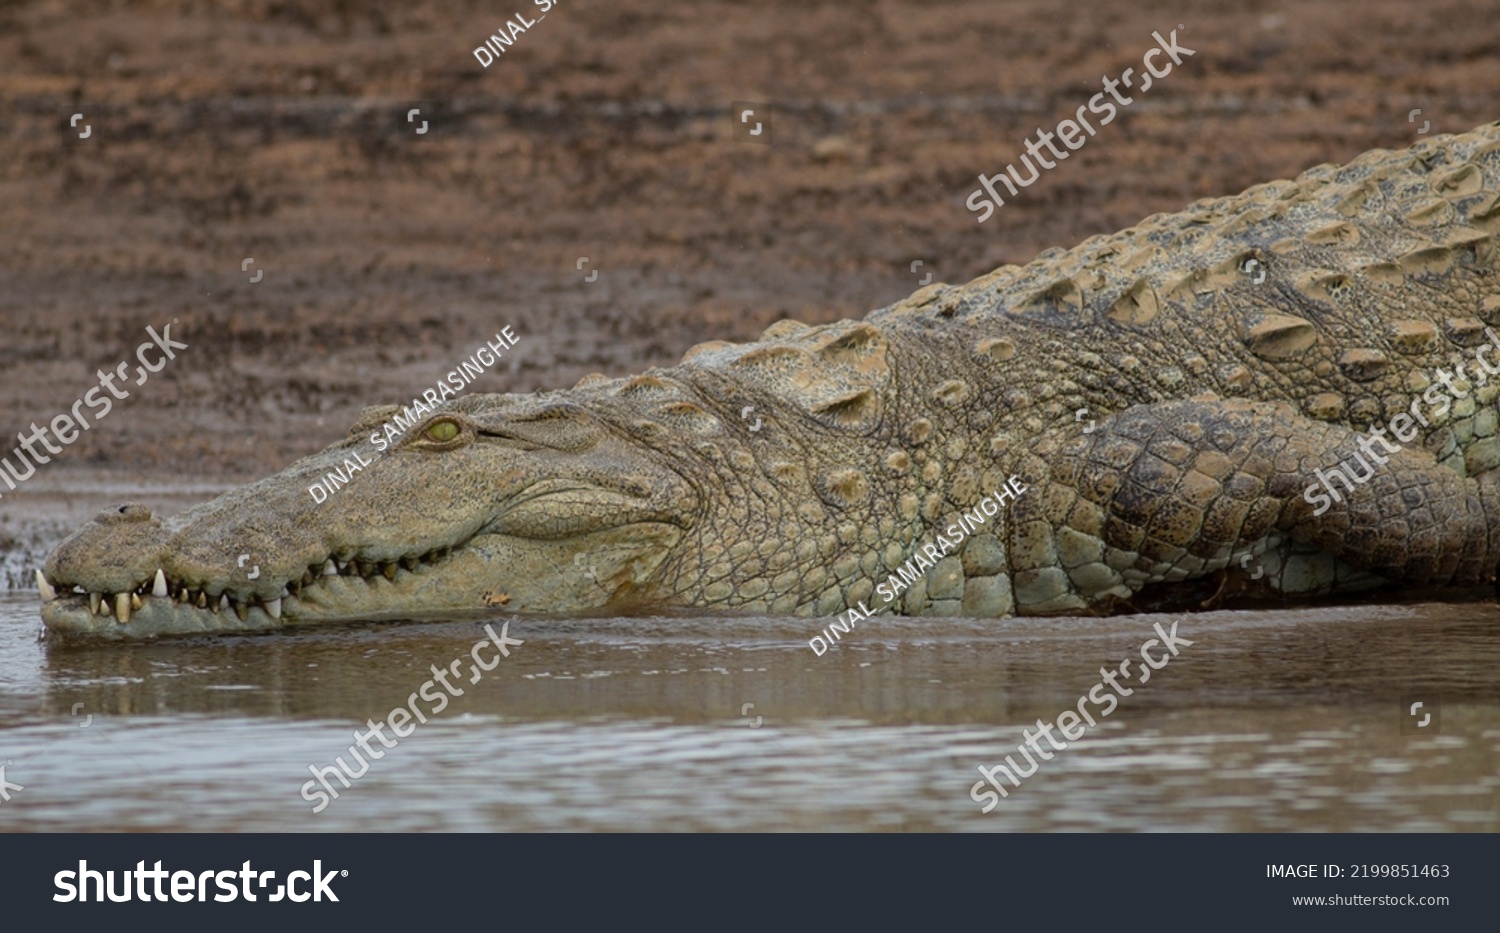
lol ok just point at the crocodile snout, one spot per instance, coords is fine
(120, 549)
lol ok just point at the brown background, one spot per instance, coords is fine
(223, 131)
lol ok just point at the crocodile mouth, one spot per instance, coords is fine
(554, 545)
(216, 598)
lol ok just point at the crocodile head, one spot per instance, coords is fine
(530, 503)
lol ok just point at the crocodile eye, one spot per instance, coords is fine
(442, 431)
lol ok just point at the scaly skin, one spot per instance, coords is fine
(1211, 399)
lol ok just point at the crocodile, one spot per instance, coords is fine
(1168, 397)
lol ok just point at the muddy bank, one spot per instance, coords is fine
(272, 133)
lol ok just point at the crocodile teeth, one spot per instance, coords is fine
(135, 601)
(184, 595)
(242, 610)
(122, 607)
(94, 600)
(45, 588)
(330, 569)
(390, 571)
(285, 592)
(159, 588)
(274, 608)
(410, 563)
(202, 600)
(343, 566)
(223, 601)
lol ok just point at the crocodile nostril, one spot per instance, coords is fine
(129, 512)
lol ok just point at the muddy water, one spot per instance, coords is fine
(1269, 721)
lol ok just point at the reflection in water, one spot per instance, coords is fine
(1275, 720)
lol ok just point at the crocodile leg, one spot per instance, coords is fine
(1178, 490)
